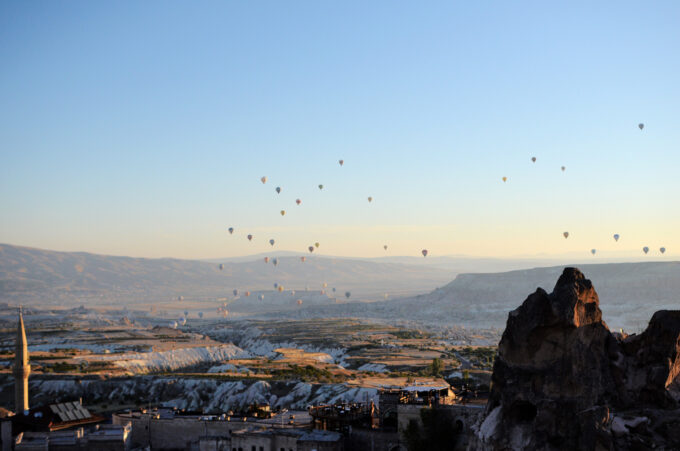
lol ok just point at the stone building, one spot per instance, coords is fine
(170, 429)
(104, 437)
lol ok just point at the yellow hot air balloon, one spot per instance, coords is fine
(317, 245)
(324, 285)
(263, 180)
(280, 288)
(505, 179)
(283, 212)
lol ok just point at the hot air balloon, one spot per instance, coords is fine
(347, 294)
(333, 289)
(186, 313)
(645, 249)
(261, 297)
(370, 199)
(303, 259)
(292, 292)
(183, 321)
(231, 230)
(225, 313)
(250, 238)
(323, 292)
(235, 292)
(266, 259)
(592, 251)
(424, 252)
(341, 162)
(316, 245)
(275, 261)
(505, 179)
(641, 125)
(311, 249)
(298, 201)
(616, 237)
(280, 288)
(386, 295)
(564, 168)
(200, 315)
(283, 212)
(385, 246)
(299, 302)
(173, 324)
(271, 241)
(221, 266)
(662, 250)
(320, 186)
(276, 285)
(263, 179)
(566, 235)
(278, 190)
(247, 293)
(180, 298)
(533, 159)
(325, 285)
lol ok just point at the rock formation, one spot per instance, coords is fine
(562, 380)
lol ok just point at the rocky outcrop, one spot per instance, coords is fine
(562, 380)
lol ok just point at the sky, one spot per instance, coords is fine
(143, 128)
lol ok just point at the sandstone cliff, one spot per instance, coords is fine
(563, 380)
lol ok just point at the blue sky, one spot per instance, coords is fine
(142, 128)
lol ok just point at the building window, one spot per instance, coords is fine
(261, 448)
(253, 448)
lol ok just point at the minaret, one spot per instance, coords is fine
(21, 368)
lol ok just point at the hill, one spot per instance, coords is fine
(31, 276)
(629, 294)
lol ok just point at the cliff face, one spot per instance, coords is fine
(562, 380)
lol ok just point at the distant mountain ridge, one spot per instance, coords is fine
(29, 275)
(629, 294)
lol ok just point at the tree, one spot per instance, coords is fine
(436, 367)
